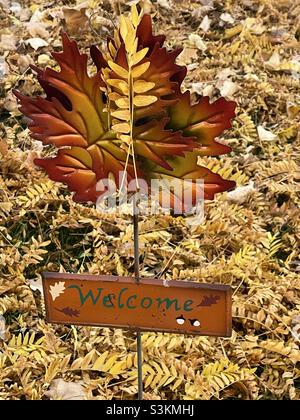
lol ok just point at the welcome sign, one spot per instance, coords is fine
(151, 305)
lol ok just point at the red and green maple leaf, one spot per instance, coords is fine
(130, 116)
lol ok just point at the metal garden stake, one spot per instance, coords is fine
(130, 121)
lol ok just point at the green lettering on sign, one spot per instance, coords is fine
(107, 302)
(128, 302)
(120, 305)
(146, 306)
(90, 294)
(187, 304)
(168, 303)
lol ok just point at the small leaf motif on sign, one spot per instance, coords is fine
(209, 300)
(69, 311)
(57, 290)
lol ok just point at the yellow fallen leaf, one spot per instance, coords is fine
(110, 363)
(118, 368)
(292, 109)
(231, 32)
(100, 361)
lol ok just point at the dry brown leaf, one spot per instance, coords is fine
(241, 194)
(265, 135)
(196, 41)
(36, 43)
(76, 20)
(3, 147)
(2, 328)
(8, 42)
(66, 390)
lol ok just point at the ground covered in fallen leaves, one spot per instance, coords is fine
(245, 50)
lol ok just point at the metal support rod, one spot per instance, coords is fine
(137, 279)
(140, 364)
(136, 247)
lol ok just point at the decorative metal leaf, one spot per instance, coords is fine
(130, 115)
(81, 169)
(73, 115)
(204, 121)
(76, 120)
(186, 170)
(154, 142)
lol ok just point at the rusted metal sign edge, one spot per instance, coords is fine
(49, 277)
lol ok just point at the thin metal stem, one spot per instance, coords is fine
(136, 248)
(137, 280)
(140, 364)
